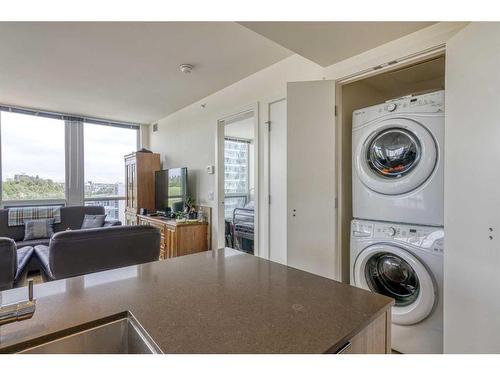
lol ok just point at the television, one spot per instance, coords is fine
(171, 189)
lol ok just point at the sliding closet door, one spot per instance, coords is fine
(311, 187)
(472, 199)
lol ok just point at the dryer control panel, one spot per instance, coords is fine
(431, 238)
(426, 103)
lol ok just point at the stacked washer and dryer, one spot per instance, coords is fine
(397, 237)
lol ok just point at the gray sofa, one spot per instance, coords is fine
(12, 262)
(71, 217)
(78, 252)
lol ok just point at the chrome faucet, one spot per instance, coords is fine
(21, 310)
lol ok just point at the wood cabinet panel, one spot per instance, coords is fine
(178, 239)
(140, 168)
(374, 339)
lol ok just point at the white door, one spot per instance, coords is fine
(472, 199)
(277, 182)
(311, 181)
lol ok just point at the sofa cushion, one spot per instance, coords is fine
(38, 241)
(112, 223)
(93, 221)
(39, 228)
(23, 257)
(85, 251)
(42, 253)
(72, 216)
(8, 263)
(16, 233)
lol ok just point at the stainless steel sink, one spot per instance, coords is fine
(118, 334)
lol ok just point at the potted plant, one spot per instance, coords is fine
(179, 217)
(190, 209)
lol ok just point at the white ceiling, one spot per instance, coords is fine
(129, 70)
(329, 42)
(125, 71)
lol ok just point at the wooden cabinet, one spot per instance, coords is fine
(374, 339)
(178, 239)
(140, 168)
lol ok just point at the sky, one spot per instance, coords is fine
(35, 146)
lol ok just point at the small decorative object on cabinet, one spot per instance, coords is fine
(178, 238)
(140, 170)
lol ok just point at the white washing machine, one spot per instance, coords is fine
(404, 262)
(397, 166)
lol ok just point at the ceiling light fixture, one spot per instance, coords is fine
(186, 68)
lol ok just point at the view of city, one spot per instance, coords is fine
(25, 187)
(114, 208)
(236, 169)
(39, 172)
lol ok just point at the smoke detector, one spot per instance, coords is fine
(186, 68)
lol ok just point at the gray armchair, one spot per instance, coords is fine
(78, 252)
(12, 262)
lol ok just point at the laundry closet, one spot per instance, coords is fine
(317, 207)
(416, 79)
(391, 177)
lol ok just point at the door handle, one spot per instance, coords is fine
(344, 348)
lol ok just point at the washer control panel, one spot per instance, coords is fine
(431, 238)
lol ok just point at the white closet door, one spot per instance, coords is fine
(472, 191)
(277, 182)
(311, 177)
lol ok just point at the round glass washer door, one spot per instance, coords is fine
(395, 156)
(396, 273)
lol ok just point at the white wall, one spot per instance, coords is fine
(430, 37)
(188, 137)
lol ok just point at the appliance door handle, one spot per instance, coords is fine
(344, 348)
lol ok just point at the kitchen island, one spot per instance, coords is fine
(222, 301)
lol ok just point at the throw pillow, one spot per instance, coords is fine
(39, 228)
(93, 221)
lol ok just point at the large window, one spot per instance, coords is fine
(42, 153)
(236, 175)
(104, 149)
(33, 157)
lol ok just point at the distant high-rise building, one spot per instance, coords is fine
(114, 208)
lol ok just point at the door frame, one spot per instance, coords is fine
(219, 173)
(343, 221)
(266, 169)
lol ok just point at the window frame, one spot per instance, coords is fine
(74, 156)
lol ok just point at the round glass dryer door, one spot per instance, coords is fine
(393, 153)
(395, 156)
(396, 273)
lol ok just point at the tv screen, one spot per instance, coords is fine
(171, 189)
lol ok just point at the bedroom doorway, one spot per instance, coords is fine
(237, 181)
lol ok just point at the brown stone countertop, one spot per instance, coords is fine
(221, 301)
